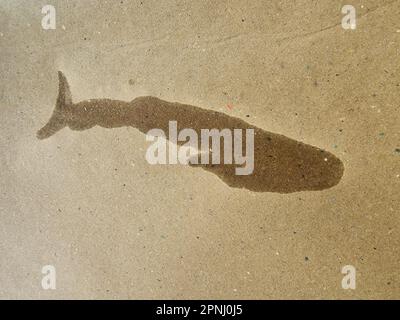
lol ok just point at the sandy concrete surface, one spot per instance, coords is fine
(114, 226)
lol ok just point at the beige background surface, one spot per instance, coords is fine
(116, 227)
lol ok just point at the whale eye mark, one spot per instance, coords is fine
(281, 164)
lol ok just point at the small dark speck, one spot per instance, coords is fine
(242, 20)
(306, 258)
(247, 115)
(197, 237)
(389, 283)
(397, 150)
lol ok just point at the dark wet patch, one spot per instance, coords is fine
(281, 164)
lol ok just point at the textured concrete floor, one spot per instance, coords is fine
(116, 227)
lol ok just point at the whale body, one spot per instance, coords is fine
(281, 164)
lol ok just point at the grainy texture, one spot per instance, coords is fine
(116, 227)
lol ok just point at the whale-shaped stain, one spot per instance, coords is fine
(281, 164)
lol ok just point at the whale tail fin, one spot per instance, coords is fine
(58, 119)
